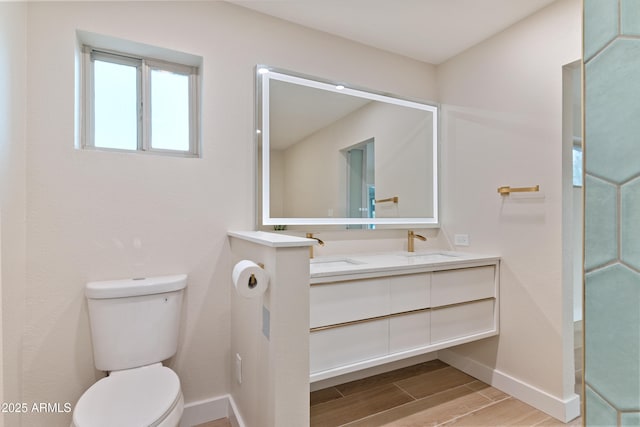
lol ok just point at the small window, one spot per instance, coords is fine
(139, 104)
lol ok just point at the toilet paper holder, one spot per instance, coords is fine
(253, 282)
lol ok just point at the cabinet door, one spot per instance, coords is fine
(462, 320)
(466, 284)
(409, 331)
(409, 292)
(332, 348)
(341, 302)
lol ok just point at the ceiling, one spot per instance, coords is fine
(427, 30)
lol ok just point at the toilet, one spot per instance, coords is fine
(134, 327)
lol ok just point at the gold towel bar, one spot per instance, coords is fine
(506, 190)
(393, 199)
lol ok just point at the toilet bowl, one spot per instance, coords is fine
(134, 326)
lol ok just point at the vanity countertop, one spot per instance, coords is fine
(361, 266)
(273, 240)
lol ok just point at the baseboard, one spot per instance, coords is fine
(211, 409)
(234, 415)
(563, 410)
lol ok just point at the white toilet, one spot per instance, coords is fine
(134, 327)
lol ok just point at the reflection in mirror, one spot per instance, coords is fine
(337, 155)
(361, 182)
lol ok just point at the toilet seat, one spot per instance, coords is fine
(144, 396)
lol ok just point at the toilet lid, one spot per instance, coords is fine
(135, 397)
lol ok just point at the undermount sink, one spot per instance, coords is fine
(428, 256)
(333, 262)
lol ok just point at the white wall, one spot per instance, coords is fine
(13, 66)
(502, 125)
(578, 226)
(574, 79)
(97, 215)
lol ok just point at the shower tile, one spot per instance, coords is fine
(612, 329)
(601, 24)
(601, 215)
(599, 413)
(630, 17)
(630, 223)
(612, 153)
(612, 112)
(630, 419)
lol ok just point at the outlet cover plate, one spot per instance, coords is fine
(238, 368)
(461, 240)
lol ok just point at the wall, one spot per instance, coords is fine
(502, 125)
(612, 203)
(95, 215)
(13, 83)
(573, 135)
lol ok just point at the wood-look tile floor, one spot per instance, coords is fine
(429, 394)
(222, 422)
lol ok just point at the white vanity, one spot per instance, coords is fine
(367, 310)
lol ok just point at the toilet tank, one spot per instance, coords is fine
(134, 322)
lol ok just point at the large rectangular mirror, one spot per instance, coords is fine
(334, 154)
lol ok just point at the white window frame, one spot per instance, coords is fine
(144, 66)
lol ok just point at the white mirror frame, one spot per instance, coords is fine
(264, 75)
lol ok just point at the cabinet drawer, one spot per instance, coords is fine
(410, 292)
(409, 331)
(341, 302)
(332, 348)
(462, 320)
(468, 284)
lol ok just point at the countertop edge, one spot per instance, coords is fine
(273, 240)
(362, 272)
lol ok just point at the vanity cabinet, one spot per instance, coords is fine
(362, 322)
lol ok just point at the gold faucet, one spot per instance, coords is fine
(410, 242)
(320, 242)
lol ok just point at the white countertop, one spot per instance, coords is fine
(273, 240)
(356, 266)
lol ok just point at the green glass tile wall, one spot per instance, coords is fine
(612, 212)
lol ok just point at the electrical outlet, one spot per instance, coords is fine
(461, 240)
(238, 368)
